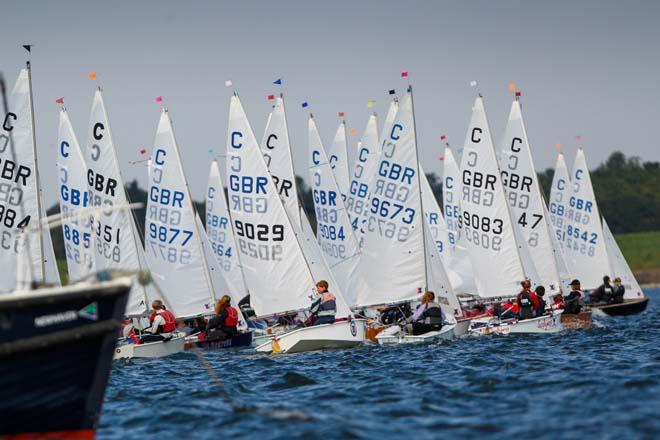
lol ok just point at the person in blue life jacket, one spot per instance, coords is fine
(428, 316)
(324, 305)
(540, 293)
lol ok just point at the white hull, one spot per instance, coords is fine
(150, 349)
(542, 324)
(394, 336)
(462, 327)
(344, 334)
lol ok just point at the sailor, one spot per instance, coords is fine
(540, 292)
(324, 305)
(428, 316)
(619, 291)
(224, 324)
(163, 323)
(572, 304)
(558, 302)
(604, 293)
(525, 302)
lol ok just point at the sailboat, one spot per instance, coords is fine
(334, 232)
(488, 230)
(23, 205)
(277, 272)
(634, 300)
(74, 202)
(395, 228)
(338, 157)
(558, 203)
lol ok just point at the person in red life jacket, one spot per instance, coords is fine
(510, 310)
(558, 302)
(163, 323)
(324, 305)
(525, 301)
(224, 324)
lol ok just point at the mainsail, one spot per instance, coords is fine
(22, 206)
(368, 152)
(457, 259)
(584, 247)
(173, 241)
(276, 271)
(338, 157)
(559, 193)
(74, 201)
(525, 201)
(619, 266)
(220, 232)
(334, 232)
(486, 220)
(117, 244)
(393, 256)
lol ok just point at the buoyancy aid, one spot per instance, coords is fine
(170, 321)
(328, 305)
(558, 305)
(432, 315)
(535, 299)
(232, 317)
(526, 305)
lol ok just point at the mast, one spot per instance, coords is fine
(207, 275)
(36, 175)
(419, 184)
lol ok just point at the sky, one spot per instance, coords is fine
(587, 68)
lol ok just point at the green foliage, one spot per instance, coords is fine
(641, 249)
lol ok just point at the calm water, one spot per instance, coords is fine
(601, 383)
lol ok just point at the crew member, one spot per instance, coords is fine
(163, 323)
(604, 293)
(619, 291)
(324, 305)
(428, 316)
(525, 301)
(572, 302)
(224, 324)
(558, 302)
(540, 293)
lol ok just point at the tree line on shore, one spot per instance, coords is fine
(627, 191)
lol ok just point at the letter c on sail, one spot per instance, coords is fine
(6, 125)
(514, 148)
(235, 136)
(211, 193)
(393, 136)
(64, 145)
(476, 130)
(98, 131)
(578, 174)
(561, 184)
(160, 157)
(449, 182)
(315, 155)
(270, 137)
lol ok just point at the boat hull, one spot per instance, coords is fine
(151, 349)
(578, 321)
(240, 340)
(462, 327)
(343, 334)
(55, 357)
(626, 308)
(394, 336)
(542, 324)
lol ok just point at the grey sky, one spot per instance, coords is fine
(588, 68)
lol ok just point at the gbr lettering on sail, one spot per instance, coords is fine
(249, 195)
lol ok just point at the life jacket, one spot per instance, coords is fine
(526, 305)
(433, 314)
(170, 321)
(232, 317)
(328, 305)
(534, 298)
(558, 305)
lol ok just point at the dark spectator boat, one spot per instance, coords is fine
(56, 347)
(241, 339)
(632, 306)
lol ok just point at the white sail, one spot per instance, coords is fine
(20, 197)
(619, 266)
(525, 201)
(457, 258)
(276, 150)
(172, 239)
(435, 221)
(559, 194)
(392, 261)
(220, 232)
(116, 246)
(276, 272)
(219, 283)
(74, 198)
(357, 197)
(486, 221)
(558, 254)
(584, 247)
(334, 232)
(338, 157)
